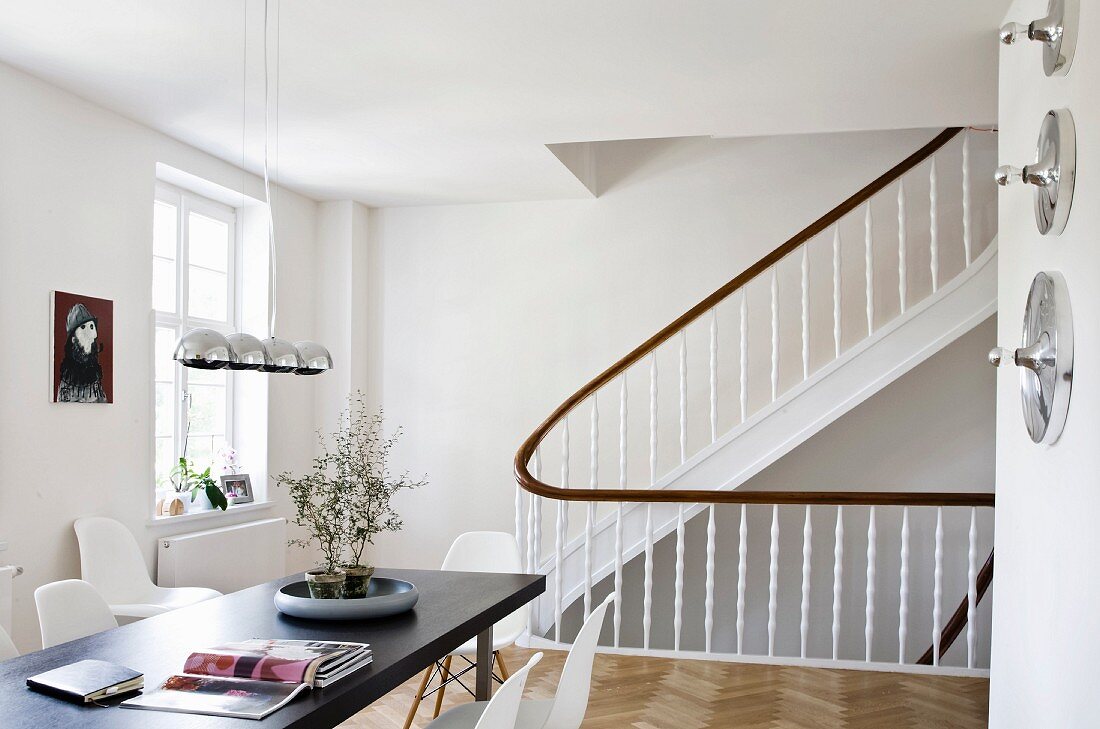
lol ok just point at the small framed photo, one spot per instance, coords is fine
(237, 488)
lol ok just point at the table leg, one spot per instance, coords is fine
(483, 682)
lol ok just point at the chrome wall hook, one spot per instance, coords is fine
(1057, 32)
(1052, 173)
(1045, 359)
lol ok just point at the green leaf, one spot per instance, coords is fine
(217, 498)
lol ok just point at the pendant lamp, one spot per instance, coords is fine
(210, 350)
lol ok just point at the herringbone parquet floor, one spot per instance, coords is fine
(657, 693)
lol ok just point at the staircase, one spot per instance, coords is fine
(896, 330)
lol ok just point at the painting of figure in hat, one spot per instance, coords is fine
(83, 351)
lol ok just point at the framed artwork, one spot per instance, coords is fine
(83, 348)
(237, 488)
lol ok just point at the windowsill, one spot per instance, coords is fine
(212, 514)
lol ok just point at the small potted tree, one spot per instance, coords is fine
(321, 504)
(360, 456)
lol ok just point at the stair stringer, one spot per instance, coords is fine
(777, 429)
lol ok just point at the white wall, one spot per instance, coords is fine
(76, 187)
(485, 317)
(1046, 638)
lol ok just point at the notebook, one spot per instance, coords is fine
(87, 681)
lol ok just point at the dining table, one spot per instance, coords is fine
(453, 607)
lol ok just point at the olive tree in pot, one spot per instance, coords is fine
(361, 455)
(321, 504)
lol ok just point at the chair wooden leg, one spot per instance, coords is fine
(442, 685)
(504, 673)
(419, 697)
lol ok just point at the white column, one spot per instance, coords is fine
(966, 196)
(618, 619)
(742, 572)
(869, 618)
(903, 593)
(678, 605)
(773, 580)
(972, 590)
(708, 621)
(937, 590)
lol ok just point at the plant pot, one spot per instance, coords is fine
(324, 585)
(358, 580)
(201, 502)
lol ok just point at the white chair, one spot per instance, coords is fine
(7, 648)
(71, 609)
(499, 712)
(111, 561)
(476, 552)
(566, 709)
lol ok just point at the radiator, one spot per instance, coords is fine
(227, 559)
(7, 574)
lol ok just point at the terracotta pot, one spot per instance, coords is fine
(357, 582)
(324, 585)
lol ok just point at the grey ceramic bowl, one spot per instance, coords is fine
(385, 597)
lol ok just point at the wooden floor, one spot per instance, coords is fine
(658, 693)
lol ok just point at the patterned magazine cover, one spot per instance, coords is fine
(217, 696)
(260, 664)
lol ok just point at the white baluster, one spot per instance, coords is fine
(653, 419)
(869, 266)
(619, 513)
(773, 581)
(742, 572)
(807, 553)
(901, 244)
(869, 619)
(805, 312)
(836, 289)
(713, 374)
(678, 606)
(521, 537)
(934, 228)
(708, 621)
(744, 354)
(903, 592)
(937, 590)
(683, 396)
(966, 196)
(647, 600)
(590, 515)
(537, 501)
(559, 542)
(565, 452)
(838, 574)
(775, 333)
(972, 589)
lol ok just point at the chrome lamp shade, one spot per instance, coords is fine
(204, 349)
(315, 358)
(282, 355)
(249, 351)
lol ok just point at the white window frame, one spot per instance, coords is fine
(185, 203)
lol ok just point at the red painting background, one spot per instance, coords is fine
(104, 311)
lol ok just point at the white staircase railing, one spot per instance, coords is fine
(898, 190)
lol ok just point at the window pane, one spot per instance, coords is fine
(165, 461)
(208, 242)
(163, 365)
(207, 411)
(201, 449)
(164, 285)
(165, 398)
(206, 377)
(207, 295)
(164, 230)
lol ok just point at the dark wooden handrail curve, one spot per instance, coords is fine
(958, 619)
(527, 450)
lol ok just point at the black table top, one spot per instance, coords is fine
(453, 608)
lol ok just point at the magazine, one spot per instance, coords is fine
(252, 678)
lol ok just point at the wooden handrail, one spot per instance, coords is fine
(528, 482)
(957, 622)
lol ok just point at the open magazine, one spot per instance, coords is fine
(253, 678)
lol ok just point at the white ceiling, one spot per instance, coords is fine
(397, 102)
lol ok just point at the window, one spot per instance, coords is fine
(194, 252)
